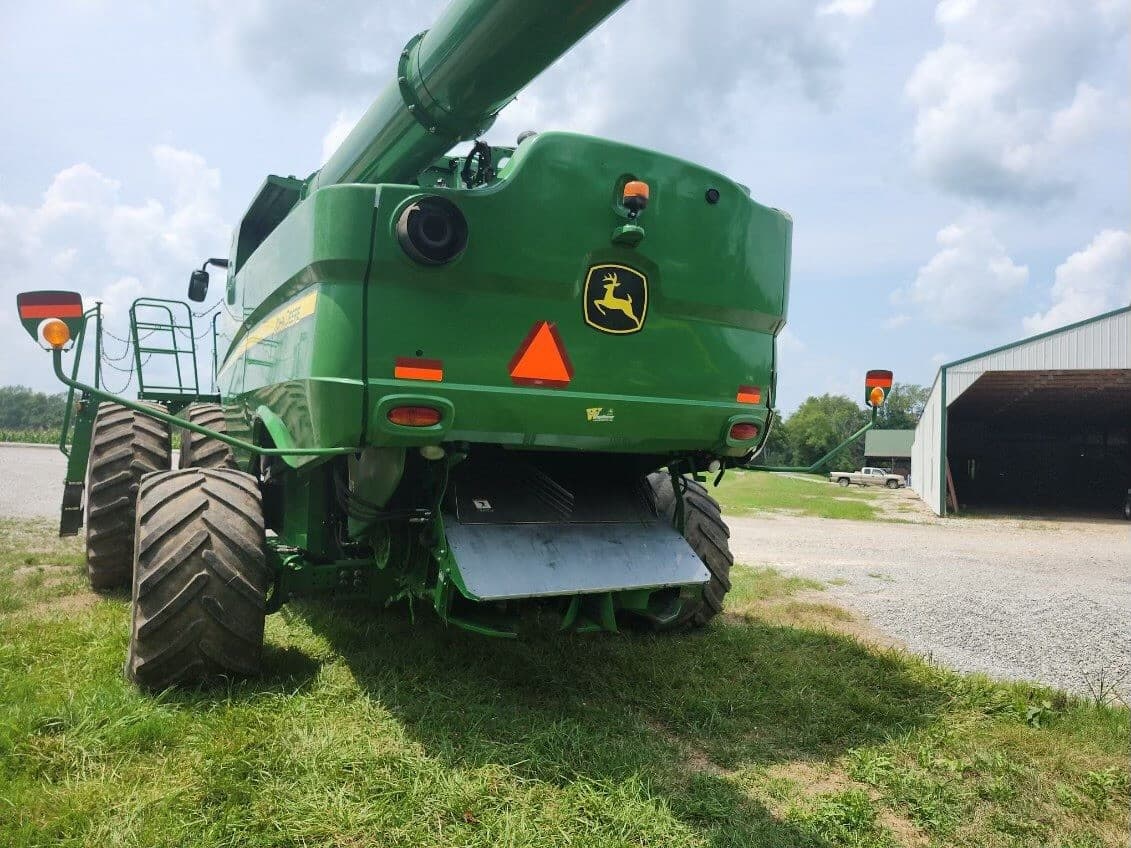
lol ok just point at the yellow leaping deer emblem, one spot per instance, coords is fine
(611, 301)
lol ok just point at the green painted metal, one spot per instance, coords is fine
(451, 82)
(57, 362)
(321, 302)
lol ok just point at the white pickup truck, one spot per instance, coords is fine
(868, 477)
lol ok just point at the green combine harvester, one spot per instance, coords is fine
(479, 381)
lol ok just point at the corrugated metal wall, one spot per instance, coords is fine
(926, 451)
(1103, 342)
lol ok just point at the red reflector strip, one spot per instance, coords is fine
(56, 310)
(749, 394)
(409, 368)
(414, 416)
(882, 379)
(743, 431)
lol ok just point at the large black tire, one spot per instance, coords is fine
(709, 537)
(892, 484)
(124, 446)
(199, 451)
(200, 579)
(843, 482)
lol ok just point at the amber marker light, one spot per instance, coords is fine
(634, 197)
(876, 396)
(749, 394)
(56, 333)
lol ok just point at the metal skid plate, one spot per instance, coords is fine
(500, 561)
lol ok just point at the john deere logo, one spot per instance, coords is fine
(616, 299)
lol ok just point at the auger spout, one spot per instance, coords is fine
(452, 81)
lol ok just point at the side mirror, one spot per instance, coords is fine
(198, 285)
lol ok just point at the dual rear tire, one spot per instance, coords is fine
(190, 541)
(200, 579)
(707, 534)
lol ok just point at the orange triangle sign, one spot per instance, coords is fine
(541, 359)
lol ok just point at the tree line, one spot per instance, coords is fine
(824, 421)
(24, 409)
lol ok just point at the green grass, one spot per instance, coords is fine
(774, 727)
(746, 492)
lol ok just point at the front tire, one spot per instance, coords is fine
(124, 446)
(708, 535)
(200, 578)
(892, 484)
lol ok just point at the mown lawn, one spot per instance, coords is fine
(774, 727)
(747, 492)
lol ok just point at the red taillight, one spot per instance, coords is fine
(414, 416)
(743, 432)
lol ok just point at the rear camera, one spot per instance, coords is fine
(712, 196)
(432, 231)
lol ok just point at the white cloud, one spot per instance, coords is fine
(86, 236)
(693, 66)
(848, 8)
(897, 321)
(1090, 281)
(1006, 100)
(966, 283)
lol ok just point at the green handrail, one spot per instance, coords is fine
(57, 362)
(96, 311)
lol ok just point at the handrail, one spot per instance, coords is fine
(96, 311)
(149, 411)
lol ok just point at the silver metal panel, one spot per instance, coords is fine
(926, 450)
(1098, 345)
(499, 561)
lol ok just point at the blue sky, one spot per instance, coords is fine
(957, 171)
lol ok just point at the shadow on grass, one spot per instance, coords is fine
(687, 715)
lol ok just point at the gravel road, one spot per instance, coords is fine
(1027, 600)
(31, 481)
(1045, 601)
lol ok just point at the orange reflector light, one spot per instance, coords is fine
(414, 416)
(749, 394)
(55, 332)
(541, 359)
(876, 396)
(411, 368)
(743, 431)
(636, 188)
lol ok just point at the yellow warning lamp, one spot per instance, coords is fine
(55, 333)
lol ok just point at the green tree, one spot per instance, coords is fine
(778, 450)
(903, 407)
(23, 409)
(820, 424)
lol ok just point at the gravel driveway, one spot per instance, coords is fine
(31, 481)
(1031, 600)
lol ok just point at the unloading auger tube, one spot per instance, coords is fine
(452, 81)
